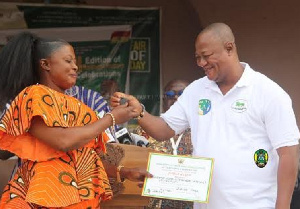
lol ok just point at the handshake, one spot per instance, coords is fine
(136, 108)
(122, 135)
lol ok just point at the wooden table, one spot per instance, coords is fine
(130, 197)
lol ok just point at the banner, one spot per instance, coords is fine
(104, 64)
(144, 53)
(104, 57)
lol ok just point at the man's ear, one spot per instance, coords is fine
(44, 64)
(229, 47)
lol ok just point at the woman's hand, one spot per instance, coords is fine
(131, 102)
(135, 174)
(123, 113)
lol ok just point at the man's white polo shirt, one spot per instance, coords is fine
(241, 131)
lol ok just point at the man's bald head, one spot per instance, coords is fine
(219, 31)
(216, 53)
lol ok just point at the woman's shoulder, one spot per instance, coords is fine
(36, 89)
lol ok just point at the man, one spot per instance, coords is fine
(179, 144)
(172, 91)
(108, 87)
(183, 146)
(295, 204)
(240, 118)
(91, 98)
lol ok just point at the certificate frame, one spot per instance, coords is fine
(179, 177)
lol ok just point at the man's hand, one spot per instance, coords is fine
(131, 101)
(287, 174)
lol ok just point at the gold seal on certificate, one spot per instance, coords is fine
(179, 177)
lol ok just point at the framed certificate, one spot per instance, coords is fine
(179, 177)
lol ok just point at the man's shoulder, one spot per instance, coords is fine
(265, 86)
(263, 81)
(201, 82)
(260, 79)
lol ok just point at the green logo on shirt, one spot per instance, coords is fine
(204, 106)
(261, 158)
(239, 106)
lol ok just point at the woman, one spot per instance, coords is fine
(56, 136)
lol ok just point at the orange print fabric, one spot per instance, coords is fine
(48, 178)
